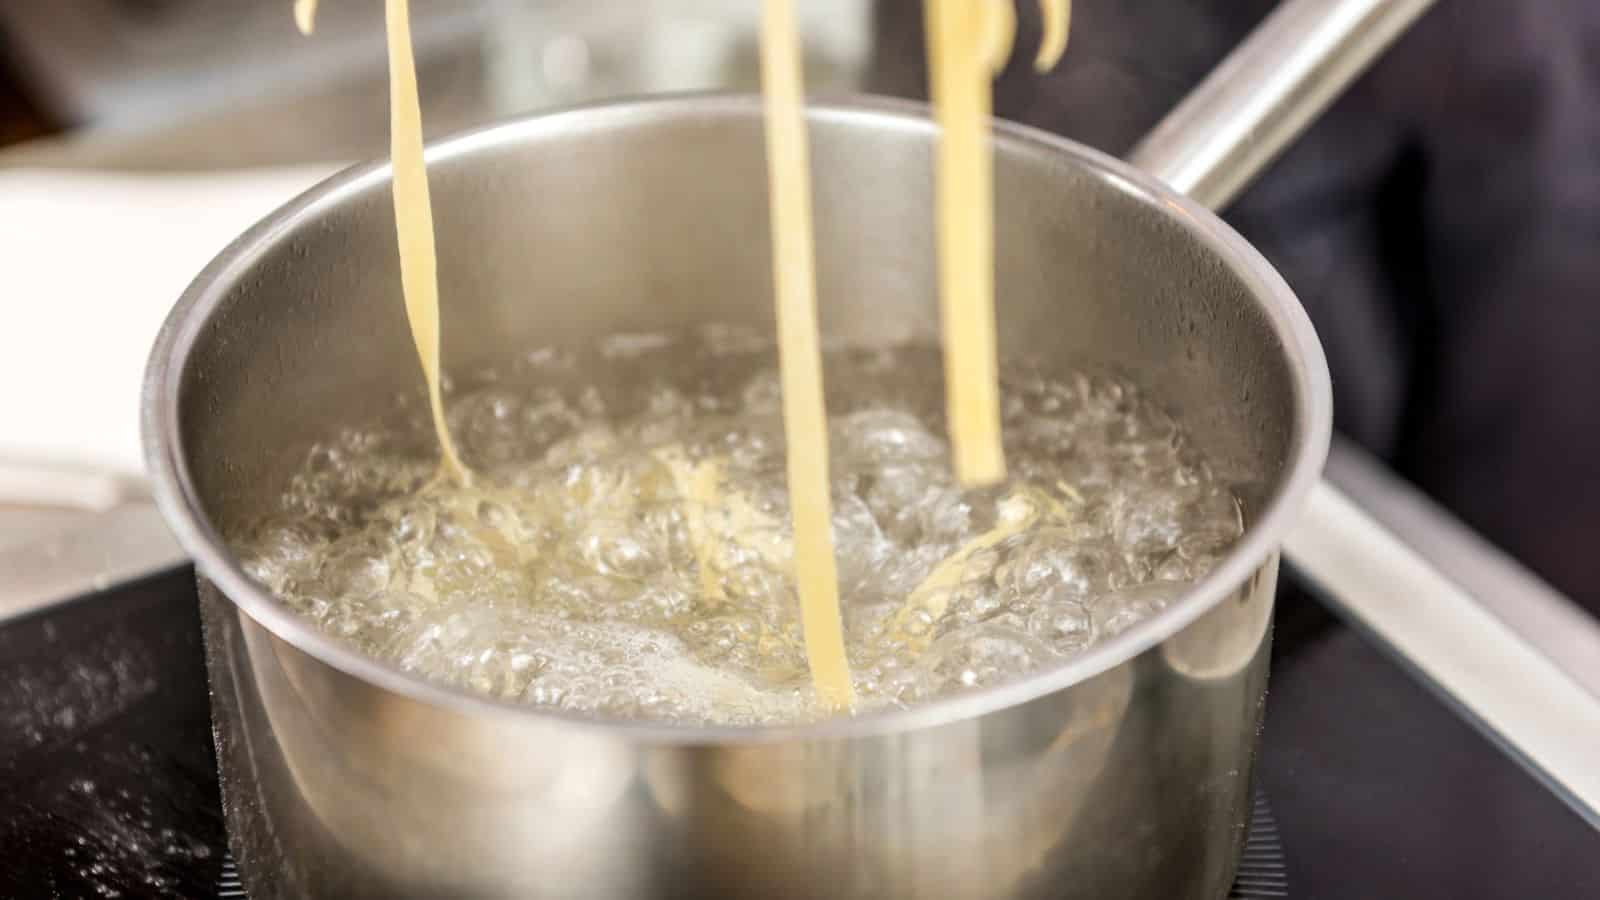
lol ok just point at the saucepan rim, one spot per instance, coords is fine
(176, 494)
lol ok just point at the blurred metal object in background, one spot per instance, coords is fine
(124, 64)
(185, 84)
(543, 53)
(112, 62)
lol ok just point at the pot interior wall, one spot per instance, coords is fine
(561, 229)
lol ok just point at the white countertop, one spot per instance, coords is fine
(92, 262)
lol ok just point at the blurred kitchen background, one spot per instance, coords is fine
(193, 83)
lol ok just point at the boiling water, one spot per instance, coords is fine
(626, 549)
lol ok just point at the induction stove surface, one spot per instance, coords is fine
(1368, 786)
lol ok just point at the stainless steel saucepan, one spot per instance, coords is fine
(1124, 772)
(1128, 766)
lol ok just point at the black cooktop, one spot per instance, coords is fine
(108, 786)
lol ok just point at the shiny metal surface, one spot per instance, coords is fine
(1124, 772)
(542, 54)
(1562, 631)
(1267, 91)
(1546, 720)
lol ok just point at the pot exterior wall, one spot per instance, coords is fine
(1134, 783)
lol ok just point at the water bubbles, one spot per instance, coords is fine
(1117, 612)
(667, 600)
(905, 570)
(488, 425)
(763, 394)
(281, 553)
(983, 655)
(755, 582)
(1149, 521)
(943, 514)
(626, 547)
(918, 624)
(860, 546)
(617, 547)
(413, 528)
(877, 435)
(1062, 622)
(1048, 559)
(358, 567)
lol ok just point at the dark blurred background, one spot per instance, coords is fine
(21, 117)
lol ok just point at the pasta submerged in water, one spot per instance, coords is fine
(968, 42)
